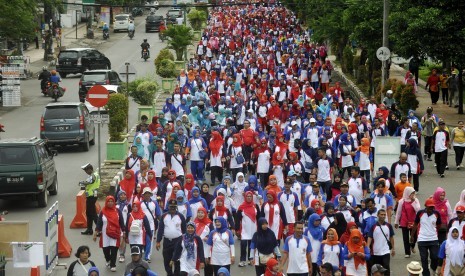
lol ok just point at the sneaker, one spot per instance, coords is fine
(407, 256)
(87, 232)
(242, 264)
(121, 259)
(148, 260)
(442, 175)
(447, 167)
(458, 167)
(107, 264)
(413, 250)
(113, 269)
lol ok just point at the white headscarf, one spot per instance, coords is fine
(407, 192)
(455, 248)
(461, 200)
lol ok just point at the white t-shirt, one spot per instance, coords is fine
(297, 250)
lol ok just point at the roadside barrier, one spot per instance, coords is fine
(80, 219)
(35, 271)
(64, 247)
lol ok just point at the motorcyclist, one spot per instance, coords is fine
(55, 78)
(105, 28)
(44, 77)
(162, 27)
(132, 27)
(145, 46)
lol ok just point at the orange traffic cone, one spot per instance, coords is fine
(80, 219)
(35, 271)
(64, 248)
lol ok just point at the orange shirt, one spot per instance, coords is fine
(400, 187)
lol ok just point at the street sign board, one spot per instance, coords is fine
(100, 118)
(383, 53)
(387, 150)
(98, 96)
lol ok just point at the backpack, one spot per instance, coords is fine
(136, 226)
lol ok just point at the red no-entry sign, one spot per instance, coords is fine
(98, 96)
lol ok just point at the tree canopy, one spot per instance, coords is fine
(17, 18)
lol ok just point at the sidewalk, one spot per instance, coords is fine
(449, 114)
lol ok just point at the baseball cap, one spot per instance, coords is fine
(344, 184)
(135, 250)
(146, 190)
(291, 173)
(441, 123)
(378, 268)
(312, 120)
(460, 208)
(315, 184)
(293, 123)
(429, 202)
(172, 202)
(415, 268)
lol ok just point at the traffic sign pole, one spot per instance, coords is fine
(99, 146)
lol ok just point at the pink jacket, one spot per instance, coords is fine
(406, 212)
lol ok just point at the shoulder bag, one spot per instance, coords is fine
(202, 152)
(384, 235)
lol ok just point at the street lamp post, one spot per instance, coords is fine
(385, 40)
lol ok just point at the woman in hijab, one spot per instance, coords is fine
(215, 158)
(196, 201)
(335, 187)
(169, 110)
(307, 157)
(452, 254)
(110, 224)
(221, 210)
(407, 209)
(328, 215)
(346, 209)
(383, 172)
(237, 189)
(189, 251)
(273, 185)
(314, 232)
(256, 190)
(142, 151)
(274, 213)
(183, 205)
(205, 194)
(128, 184)
(461, 202)
(277, 169)
(124, 207)
(203, 227)
(442, 205)
(364, 159)
(347, 150)
(345, 237)
(264, 246)
(339, 224)
(221, 245)
(246, 224)
(356, 253)
(137, 226)
(162, 119)
(331, 250)
(415, 160)
(233, 152)
(392, 124)
(172, 139)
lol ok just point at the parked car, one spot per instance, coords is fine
(121, 23)
(172, 15)
(67, 123)
(78, 60)
(112, 89)
(27, 169)
(93, 77)
(153, 22)
(136, 11)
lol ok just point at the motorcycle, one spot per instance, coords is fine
(2, 214)
(106, 34)
(145, 54)
(55, 91)
(137, 12)
(131, 34)
(46, 87)
(161, 36)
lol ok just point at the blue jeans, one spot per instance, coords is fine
(148, 247)
(197, 169)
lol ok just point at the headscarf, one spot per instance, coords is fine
(345, 139)
(140, 147)
(306, 148)
(365, 146)
(121, 204)
(277, 159)
(238, 143)
(189, 186)
(272, 205)
(455, 248)
(412, 147)
(224, 270)
(128, 185)
(441, 205)
(313, 204)
(140, 213)
(224, 225)
(345, 237)
(194, 199)
(216, 143)
(93, 269)
(269, 268)
(341, 225)
(252, 180)
(220, 209)
(329, 205)
(283, 146)
(111, 213)
(407, 192)
(189, 243)
(248, 208)
(275, 188)
(356, 247)
(152, 183)
(336, 237)
(173, 194)
(461, 199)
(266, 239)
(179, 194)
(207, 196)
(315, 231)
(202, 223)
(261, 148)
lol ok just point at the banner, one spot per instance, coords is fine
(387, 150)
(104, 16)
(51, 237)
(27, 254)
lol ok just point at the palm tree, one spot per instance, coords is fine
(196, 18)
(179, 37)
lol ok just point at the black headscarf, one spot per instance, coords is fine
(341, 225)
(265, 240)
(207, 196)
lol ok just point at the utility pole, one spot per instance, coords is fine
(385, 40)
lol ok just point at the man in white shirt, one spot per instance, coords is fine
(324, 165)
(382, 237)
(297, 248)
(178, 162)
(440, 144)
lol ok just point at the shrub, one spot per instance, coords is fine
(145, 92)
(347, 60)
(408, 99)
(133, 84)
(117, 107)
(164, 54)
(167, 69)
(196, 17)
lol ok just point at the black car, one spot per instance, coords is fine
(153, 22)
(172, 15)
(93, 77)
(78, 60)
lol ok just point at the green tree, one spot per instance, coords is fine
(17, 19)
(179, 37)
(196, 18)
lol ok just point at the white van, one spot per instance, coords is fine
(121, 23)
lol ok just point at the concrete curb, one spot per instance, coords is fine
(355, 92)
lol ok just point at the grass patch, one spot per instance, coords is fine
(426, 69)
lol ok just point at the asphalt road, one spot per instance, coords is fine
(24, 122)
